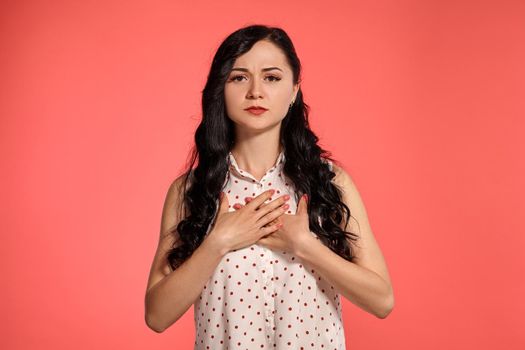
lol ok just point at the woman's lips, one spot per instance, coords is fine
(256, 111)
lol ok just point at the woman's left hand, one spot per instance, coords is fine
(293, 234)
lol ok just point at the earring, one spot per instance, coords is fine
(291, 104)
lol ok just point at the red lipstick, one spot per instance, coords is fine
(257, 110)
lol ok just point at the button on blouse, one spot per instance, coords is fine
(258, 298)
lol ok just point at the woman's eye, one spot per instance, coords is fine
(235, 78)
(274, 78)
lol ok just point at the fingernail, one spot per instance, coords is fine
(306, 197)
(272, 191)
(286, 206)
(286, 197)
(221, 195)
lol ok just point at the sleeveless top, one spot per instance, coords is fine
(258, 298)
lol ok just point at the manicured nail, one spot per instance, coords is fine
(306, 197)
(286, 206)
(272, 191)
(286, 197)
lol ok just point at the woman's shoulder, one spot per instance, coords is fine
(182, 180)
(342, 177)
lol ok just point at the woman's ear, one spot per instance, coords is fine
(295, 91)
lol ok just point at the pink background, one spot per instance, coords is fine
(422, 101)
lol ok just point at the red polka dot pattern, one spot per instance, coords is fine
(258, 298)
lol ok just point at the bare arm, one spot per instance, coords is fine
(366, 283)
(171, 293)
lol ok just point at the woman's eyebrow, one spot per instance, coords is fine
(264, 69)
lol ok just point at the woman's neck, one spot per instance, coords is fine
(256, 160)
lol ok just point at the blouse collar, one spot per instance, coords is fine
(234, 167)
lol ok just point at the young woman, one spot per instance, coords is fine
(255, 236)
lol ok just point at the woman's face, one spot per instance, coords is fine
(260, 77)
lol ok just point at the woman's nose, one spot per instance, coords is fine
(255, 89)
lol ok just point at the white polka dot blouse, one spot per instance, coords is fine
(258, 298)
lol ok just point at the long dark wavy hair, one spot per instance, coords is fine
(305, 165)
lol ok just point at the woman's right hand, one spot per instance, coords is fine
(245, 226)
